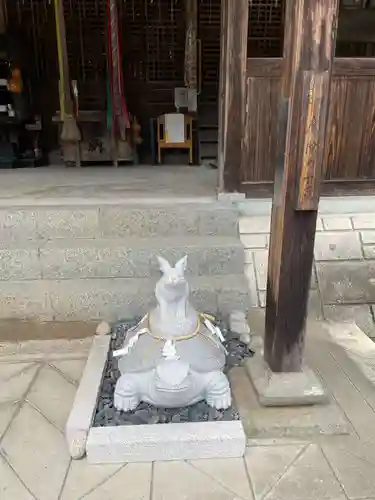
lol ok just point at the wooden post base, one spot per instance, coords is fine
(285, 389)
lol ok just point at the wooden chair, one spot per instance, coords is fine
(175, 131)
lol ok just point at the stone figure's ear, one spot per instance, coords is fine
(181, 266)
(165, 266)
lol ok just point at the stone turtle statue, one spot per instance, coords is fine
(174, 357)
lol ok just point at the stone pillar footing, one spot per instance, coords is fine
(284, 389)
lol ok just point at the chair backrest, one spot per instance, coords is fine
(174, 128)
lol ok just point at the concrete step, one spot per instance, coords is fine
(61, 259)
(118, 221)
(111, 299)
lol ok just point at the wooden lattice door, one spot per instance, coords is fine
(153, 44)
(209, 23)
(266, 28)
(265, 38)
(32, 22)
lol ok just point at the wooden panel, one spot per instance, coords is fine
(350, 144)
(264, 67)
(260, 129)
(367, 156)
(333, 147)
(350, 141)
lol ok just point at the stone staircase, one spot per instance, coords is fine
(98, 261)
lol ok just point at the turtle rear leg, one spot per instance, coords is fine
(218, 393)
(127, 396)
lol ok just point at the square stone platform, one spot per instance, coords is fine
(141, 443)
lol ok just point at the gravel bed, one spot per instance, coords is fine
(107, 415)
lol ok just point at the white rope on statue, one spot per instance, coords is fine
(169, 350)
(125, 350)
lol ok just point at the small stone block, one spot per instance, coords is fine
(238, 323)
(103, 328)
(231, 197)
(149, 443)
(245, 338)
(284, 389)
(237, 316)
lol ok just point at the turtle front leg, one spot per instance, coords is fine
(218, 393)
(127, 395)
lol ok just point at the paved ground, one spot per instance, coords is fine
(343, 279)
(38, 383)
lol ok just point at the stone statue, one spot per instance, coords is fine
(174, 357)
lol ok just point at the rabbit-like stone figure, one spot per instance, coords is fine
(172, 358)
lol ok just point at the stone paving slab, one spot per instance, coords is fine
(360, 314)
(346, 384)
(343, 245)
(36, 450)
(354, 465)
(347, 282)
(344, 265)
(293, 473)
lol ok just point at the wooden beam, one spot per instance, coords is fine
(348, 67)
(234, 33)
(3, 17)
(353, 67)
(307, 68)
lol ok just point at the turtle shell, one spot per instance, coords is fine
(203, 352)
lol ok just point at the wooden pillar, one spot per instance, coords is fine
(310, 32)
(191, 45)
(3, 17)
(234, 34)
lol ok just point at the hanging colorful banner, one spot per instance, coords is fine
(120, 116)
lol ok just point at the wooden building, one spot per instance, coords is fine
(349, 161)
(153, 36)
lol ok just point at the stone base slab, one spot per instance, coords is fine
(284, 422)
(284, 389)
(143, 443)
